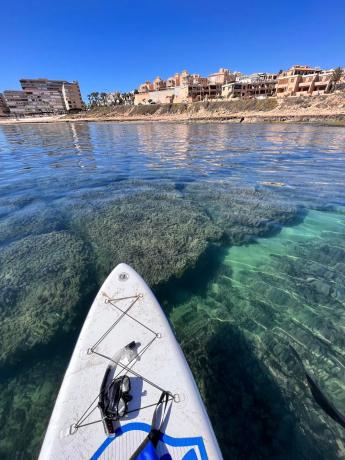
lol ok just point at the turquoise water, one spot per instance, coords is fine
(239, 230)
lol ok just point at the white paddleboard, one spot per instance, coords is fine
(126, 311)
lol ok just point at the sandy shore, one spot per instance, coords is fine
(53, 119)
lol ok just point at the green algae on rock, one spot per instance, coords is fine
(42, 281)
(159, 234)
(162, 232)
(158, 228)
(25, 407)
(33, 219)
(244, 213)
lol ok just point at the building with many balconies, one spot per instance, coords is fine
(183, 87)
(257, 85)
(303, 80)
(41, 96)
(222, 77)
(4, 110)
(186, 87)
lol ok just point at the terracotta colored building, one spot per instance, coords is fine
(254, 89)
(183, 87)
(303, 80)
(222, 77)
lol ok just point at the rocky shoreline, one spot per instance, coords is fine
(326, 109)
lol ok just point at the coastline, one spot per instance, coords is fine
(326, 110)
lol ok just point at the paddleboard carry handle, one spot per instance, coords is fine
(147, 449)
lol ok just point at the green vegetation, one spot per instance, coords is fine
(25, 405)
(336, 77)
(103, 99)
(161, 230)
(42, 282)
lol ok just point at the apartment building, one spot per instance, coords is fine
(258, 85)
(17, 101)
(180, 94)
(186, 87)
(145, 87)
(62, 94)
(4, 110)
(159, 84)
(42, 96)
(183, 87)
(221, 77)
(72, 96)
(173, 81)
(303, 80)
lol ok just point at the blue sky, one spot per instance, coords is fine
(115, 45)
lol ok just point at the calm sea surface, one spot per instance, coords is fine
(240, 231)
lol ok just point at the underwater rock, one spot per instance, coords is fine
(243, 213)
(42, 282)
(33, 219)
(266, 297)
(162, 231)
(25, 406)
(250, 413)
(159, 234)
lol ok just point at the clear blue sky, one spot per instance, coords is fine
(115, 44)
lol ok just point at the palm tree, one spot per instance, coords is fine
(103, 98)
(336, 77)
(93, 99)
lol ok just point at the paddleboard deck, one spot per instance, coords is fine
(124, 312)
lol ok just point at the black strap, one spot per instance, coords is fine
(157, 422)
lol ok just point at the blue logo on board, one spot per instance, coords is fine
(196, 443)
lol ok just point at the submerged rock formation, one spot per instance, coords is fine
(51, 259)
(265, 302)
(25, 407)
(161, 229)
(42, 281)
(158, 233)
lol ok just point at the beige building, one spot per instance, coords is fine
(245, 90)
(158, 84)
(145, 87)
(303, 80)
(179, 94)
(258, 85)
(186, 87)
(183, 87)
(222, 77)
(72, 96)
(4, 110)
(173, 81)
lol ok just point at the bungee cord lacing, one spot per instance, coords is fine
(124, 368)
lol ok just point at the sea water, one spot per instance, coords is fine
(239, 229)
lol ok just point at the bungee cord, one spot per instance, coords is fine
(124, 368)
